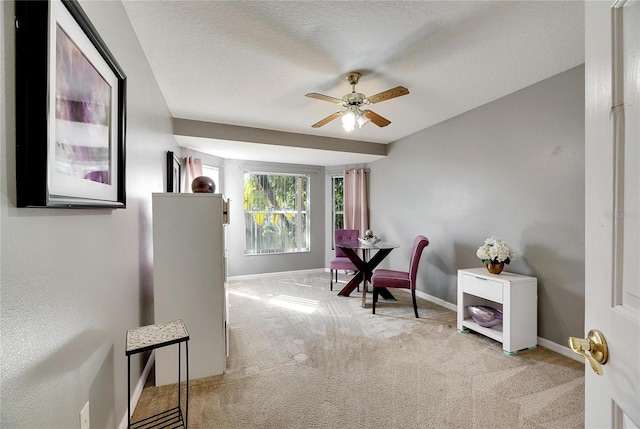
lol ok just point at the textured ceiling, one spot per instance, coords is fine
(251, 63)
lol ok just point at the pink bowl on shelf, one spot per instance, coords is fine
(485, 316)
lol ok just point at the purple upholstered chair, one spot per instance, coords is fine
(400, 279)
(341, 262)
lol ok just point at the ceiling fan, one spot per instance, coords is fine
(354, 116)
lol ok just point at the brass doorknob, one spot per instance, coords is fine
(595, 345)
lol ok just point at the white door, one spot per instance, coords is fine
(612, 218)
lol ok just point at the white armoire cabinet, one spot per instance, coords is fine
(190, 280)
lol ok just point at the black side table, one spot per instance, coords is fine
(152, 337)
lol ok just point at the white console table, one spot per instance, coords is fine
(515, 295)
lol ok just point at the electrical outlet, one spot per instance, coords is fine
(84, 416)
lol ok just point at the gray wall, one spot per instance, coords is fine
(240, 264)
(73, 281)
(513, 168)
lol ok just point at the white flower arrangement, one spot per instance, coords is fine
(495, 251)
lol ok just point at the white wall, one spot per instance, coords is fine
(73, 281)
(512, 168)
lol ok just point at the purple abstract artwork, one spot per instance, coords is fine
(83, 115)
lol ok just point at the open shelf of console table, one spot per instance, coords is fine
(514, 294)
(152, 337)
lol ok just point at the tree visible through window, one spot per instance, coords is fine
(276, 213)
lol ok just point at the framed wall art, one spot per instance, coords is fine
(70, 110)
(174, 170)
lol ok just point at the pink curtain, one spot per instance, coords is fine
(356, 200)
(192, 168)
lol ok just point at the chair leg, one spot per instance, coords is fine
(331, 277)
(375, 298)
(415, 305)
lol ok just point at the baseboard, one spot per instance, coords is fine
(437, 301)
(554, 347)
(562, 350)
(262, 275)
(135, 395)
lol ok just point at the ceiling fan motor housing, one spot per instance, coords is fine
(354, 99)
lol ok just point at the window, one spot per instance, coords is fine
(276, 213)
(213, 173)
(337, 214)
(337, 207)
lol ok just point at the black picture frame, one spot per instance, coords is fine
(70, 110)
(174, 170)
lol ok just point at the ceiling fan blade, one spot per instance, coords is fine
(388, 94)
(327, 120)
(376, 119)
(324, 98)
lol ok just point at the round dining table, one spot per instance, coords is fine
(365, 265)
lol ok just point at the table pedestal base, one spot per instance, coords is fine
(365, 271)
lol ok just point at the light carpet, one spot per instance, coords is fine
(304, 357)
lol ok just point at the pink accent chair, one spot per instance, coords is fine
(341, 262)
(400, 279)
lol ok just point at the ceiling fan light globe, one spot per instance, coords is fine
(362, 121)
(349, 121)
